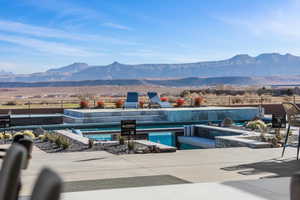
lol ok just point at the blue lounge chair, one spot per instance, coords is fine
(155, 101)
(132, 100)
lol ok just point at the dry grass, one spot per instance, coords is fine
(68, 97)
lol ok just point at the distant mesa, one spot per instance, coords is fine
(241, 65)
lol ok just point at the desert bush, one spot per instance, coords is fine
(100, 104)
(7, 136)
(180, 102)
(42, 137)
(11, 103)
(84, 104)
(130, 145)
(198, 101)
(29, 133)
(257, 125)
(119, 103)
(64, 142)
(121, 140)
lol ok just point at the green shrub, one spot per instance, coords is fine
(42, 137)
(257, 125)
(7, 136)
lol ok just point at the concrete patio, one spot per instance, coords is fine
(215, 166)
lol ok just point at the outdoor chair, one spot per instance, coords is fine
(27, 143)
(10, 172)
(155, 101)
(293, 119)
(47, 187)
(132, 100)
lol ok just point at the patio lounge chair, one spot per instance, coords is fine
(10, 172)
(293, 119)
(132, 100)
(155, 101)
(47, 187)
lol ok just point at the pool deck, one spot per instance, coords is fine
(195, 166)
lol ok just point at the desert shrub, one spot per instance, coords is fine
(130, 145)
(29, 133)
(91, 143)
(64, 142)
(121, 140)
(11, 103)
(180, 102)
(198, 101)
(100, 104)
(119, 103)
(164, 99)
(7, 136)
(42, 137)
(84, 104)
(227, 122)
(257, 125)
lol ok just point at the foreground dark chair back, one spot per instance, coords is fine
(295, 187)
(10, 172)
(293, 119)
(48, 186)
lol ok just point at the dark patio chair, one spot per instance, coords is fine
(10, 172)
(47, 187)
(293, 119)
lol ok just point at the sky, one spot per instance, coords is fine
(36, 35)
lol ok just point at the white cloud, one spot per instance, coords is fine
(38, 31)
(49, 47)
(116, 26)
(276, 21)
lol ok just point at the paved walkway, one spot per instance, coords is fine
(204, 165)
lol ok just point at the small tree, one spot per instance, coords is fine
(84, 104)
(100, 104)
(119, 103)
(198, 101)
(180, 102)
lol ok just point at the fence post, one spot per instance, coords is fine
(29, 108)
(294, 99)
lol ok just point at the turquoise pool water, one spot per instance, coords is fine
(166, 138)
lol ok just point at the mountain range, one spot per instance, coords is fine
(240, 67)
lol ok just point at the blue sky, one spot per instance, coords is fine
(36, 35)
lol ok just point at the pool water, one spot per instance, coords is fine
(166, 138)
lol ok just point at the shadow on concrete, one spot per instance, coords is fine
(90, 159)
(278, 167)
